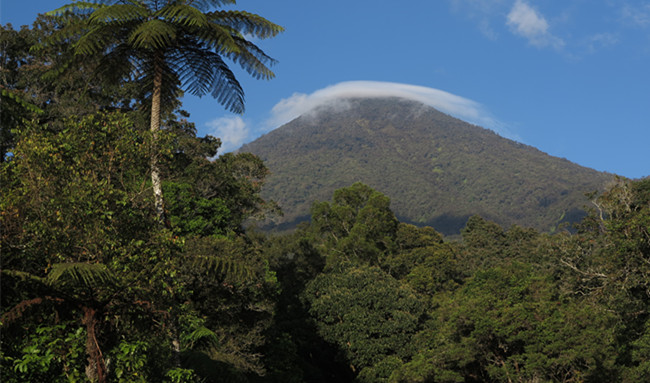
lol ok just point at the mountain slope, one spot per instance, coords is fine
(436, 169)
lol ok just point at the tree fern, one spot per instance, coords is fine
(168, 44)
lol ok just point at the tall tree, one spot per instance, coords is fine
(167, 45)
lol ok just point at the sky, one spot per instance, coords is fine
(571, 77)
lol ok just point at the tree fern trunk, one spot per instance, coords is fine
(96, 368)
(155, 128)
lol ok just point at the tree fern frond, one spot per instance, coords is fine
(183, 14)
(118, 64)
(95, 40)
(79, 274)
(246, 23)
(76, 8)
(250, 59)
(118, 14)
(218, 38)
(195, 69)
(152, 34)
(226, 267)
(228, 91)
(202, 338)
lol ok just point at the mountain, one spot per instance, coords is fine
(437, 170)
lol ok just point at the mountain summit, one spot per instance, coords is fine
(437, 170)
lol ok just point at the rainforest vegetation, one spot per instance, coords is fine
(103, 281)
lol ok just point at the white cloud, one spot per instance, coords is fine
(232, 131)
(303, 104)
(527, 22)
(637, 15)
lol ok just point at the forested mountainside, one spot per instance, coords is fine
(437, 170)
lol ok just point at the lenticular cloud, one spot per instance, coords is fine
(459, 107)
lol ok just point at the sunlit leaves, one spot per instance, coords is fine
(118, 14)
(152, 34)
(184, 14)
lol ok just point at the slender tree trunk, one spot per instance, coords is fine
(155, 128)
(96, 368)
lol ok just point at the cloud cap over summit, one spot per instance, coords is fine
(465, 109)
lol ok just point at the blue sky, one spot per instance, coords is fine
(569, 77)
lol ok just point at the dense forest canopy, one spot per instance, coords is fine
(96, 288)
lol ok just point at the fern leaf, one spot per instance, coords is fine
(246, 23)
(79, 274)
(153, 34)
(183, 14)
(92, 42)
(226, 267)
(76, 7)
(202, 338)
(118, 14)
(251, 59)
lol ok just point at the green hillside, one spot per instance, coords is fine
(437, 170)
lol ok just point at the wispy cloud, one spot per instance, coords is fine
(527, 22)
(636, 15)
(232, 131)
(601, 40)
(482, 12)
(465, 109)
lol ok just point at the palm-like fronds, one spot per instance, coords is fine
(80, 274)
(193, 41)
(184, 14)
(118, 14)
(229, 268)
(58, 285)
(86, 275)
(75, 8)
(201, 338)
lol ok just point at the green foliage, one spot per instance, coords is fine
(75, 195)
(211, 197)
(130, 360)
(82, 243)
(358, 226)
(180, 375)
(368, 314)
(422, 259)
(192, 214)
(44, 352)
(509, 324)
(95, 289)
(608, 261)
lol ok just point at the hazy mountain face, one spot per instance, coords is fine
(436, 169)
